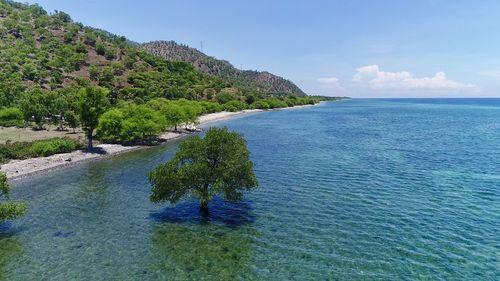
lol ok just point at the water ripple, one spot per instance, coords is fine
(356, 190)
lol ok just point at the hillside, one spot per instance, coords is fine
(262, 82)
(53, 52)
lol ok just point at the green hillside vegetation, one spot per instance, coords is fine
(51, 52)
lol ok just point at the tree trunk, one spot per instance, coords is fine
(89, 137)
(204, 207)
(204, 199)
(61, 127)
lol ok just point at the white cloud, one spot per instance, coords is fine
(494, 74)
(404, 80)
(330, 82)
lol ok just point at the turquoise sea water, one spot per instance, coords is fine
(352, 190)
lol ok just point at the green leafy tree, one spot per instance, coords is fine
(250, 99)
(72, 119)
(93, 102)
(110, 126)
(141, 122)
(131, 123)
(174, 114)
(11, 88)
(203, 168)
(234, 105)
(260, 104)
(210, 107)
(56, 105)
(192, 109)
(226, 96)
(276, 103)
(62, 16)
(34, 107)
(9, 210)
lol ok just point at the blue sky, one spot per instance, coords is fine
(384, 48)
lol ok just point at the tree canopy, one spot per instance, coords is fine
(204, 168)
(9, 210)
(93, 104)
(130, 123)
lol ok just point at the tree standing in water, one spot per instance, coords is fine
(203, 168)
(9, 210)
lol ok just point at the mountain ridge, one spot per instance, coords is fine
(263, 81)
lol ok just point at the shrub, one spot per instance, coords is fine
(11, 116)
(225, 97)
(276, 103)
(17, 150)
(260, 104)
(131, 123)
(210, 107)
(90, 38)
(24, 150)
(100, 48)
(53, 146)
(110, 53)
(229, 108)
(289, 102)
(80, 48)
(234, 105)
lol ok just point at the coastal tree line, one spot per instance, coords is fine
(128, 121)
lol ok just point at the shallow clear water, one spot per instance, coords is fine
(358, 189)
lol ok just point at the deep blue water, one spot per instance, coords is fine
(351, 190)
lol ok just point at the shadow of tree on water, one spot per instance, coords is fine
(201, 252)
(11, 248)
(8, 229)
(188, 245)
(221, 213)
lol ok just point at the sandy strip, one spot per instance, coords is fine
(16, 169)
(219, 116)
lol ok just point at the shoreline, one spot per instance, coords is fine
(19, 169)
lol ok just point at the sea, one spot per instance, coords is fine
(359, 189)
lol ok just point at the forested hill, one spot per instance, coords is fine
(51, 52)
(263, 82)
